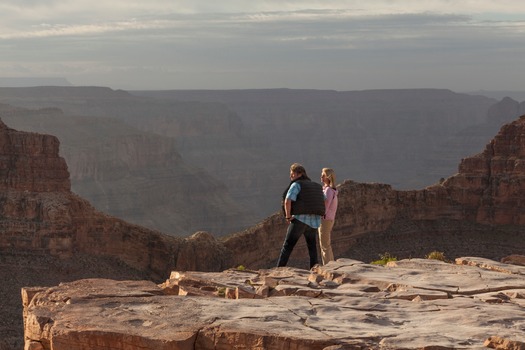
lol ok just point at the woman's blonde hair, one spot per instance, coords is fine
(330, 174)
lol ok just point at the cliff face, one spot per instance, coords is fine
(492, 183)
(31, 163)
(478, 211)
(50, 235)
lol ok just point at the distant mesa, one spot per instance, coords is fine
(33, 81)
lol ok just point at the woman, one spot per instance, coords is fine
(327, 222)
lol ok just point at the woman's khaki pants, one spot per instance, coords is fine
(325, 231)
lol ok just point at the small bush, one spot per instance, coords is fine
(384, 259)
(221, 291)
(241, 268)
(436, 256)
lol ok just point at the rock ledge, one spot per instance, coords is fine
(346, 304)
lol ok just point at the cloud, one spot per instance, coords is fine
(51, 18)
(262, 43)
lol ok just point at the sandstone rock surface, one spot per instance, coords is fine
(347, 304)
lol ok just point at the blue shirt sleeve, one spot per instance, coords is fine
(293, 191)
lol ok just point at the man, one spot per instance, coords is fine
(303, 205)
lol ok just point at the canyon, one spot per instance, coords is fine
(50, 235)
(133, 175)
(217, 161)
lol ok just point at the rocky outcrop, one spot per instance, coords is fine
(409, 304)
(31, 163)
(478, 211)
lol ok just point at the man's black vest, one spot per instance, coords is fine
(310, 199)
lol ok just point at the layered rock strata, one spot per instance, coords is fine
(409, 304)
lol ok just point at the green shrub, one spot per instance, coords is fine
(384, 259)
(436, 256)
(241, 268)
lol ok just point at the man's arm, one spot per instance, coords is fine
(288, 208)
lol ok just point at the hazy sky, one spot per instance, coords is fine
(462, 45)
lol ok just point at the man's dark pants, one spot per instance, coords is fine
(295, 230)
